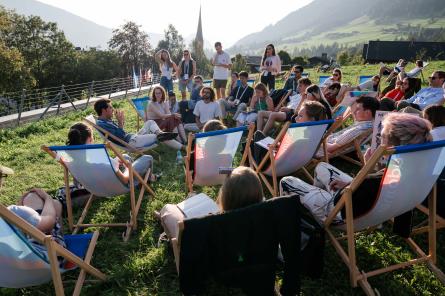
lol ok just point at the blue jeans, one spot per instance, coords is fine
(167, 84)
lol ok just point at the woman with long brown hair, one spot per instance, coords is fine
(270, 66)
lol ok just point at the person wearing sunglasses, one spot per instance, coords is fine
(434, 94)
(336, 77)
(292, 81)
(187, 70)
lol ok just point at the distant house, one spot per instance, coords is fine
(253, 62)
(317, 61)
(392, 51)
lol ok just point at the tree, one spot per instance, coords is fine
(285, 57)
(173, 42)
(97, 65)
(14, 74)
(239, 64)
(133, 47)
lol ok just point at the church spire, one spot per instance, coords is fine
(199, 38)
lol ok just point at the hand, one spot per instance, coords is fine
(368, 154)
(120, 117)
(337, 185)
(177, 115)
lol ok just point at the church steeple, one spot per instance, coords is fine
(199, 38)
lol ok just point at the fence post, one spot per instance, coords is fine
(90, 93)
(126, 90)
(22, 101)
(62, 91)
(111, 89)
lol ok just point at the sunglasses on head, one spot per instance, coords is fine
(335, 74)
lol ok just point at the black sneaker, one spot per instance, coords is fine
(164, 136)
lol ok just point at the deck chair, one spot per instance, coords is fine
(283, 100)
(341, 109)
(22, 265)
(139, 105)
(92, 167)
(364, 78)
(251, 82)
(207, 83)
(115, 141)
(239, 248)
(212, 151)
(410, 174)
(299, 142)
(4, 172)
(322, 79)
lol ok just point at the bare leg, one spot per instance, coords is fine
(274, 116)
(181, 133)
(262, 115)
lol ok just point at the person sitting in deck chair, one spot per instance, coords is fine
(148, 135)
(40, 210)
(81, 134)
(320, 198)
(239, 97)
(240, 189)
(364, 110)
(285, 113)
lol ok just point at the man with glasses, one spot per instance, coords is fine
(187, 70)
(427, 96)
(221, 65)
(147, 136)
(292, 81)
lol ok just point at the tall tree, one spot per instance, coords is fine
(133, 46)
(14, 74)
(173, 42)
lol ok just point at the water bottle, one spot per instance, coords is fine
(179, 158)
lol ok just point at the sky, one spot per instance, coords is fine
(226, 21)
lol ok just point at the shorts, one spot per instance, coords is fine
(289, 115)
(182, 85)
(219, 83)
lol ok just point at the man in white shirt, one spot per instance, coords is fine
(221, 66)
(285, 113)
(206, 109)
(427, 96)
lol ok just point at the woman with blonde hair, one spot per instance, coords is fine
(166, 66)
(159, 111)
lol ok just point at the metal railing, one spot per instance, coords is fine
(47, 99)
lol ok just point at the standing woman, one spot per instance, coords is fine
(270, 66)
(159, 111)
(187, 70)
(166, 65)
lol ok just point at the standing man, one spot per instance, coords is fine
(221, 66)
(187, 70)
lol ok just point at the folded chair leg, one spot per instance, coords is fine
(84, 213)
(87, 259)
(54, 263)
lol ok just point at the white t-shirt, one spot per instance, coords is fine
(294, 101)
(219, 72)
(208, 111)
(438, 133)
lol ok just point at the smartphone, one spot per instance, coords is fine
(225, 170)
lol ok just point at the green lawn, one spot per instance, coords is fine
(140, 267)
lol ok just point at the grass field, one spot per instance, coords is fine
(140, 266)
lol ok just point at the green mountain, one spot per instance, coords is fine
(349, 22)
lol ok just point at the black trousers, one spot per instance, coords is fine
(269, 81)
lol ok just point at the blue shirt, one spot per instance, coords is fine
(111, 127)
(195, 97)
(427, 96)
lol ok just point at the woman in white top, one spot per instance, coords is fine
(166, 65)
(270, 66)
(158, 110)
(436, 115)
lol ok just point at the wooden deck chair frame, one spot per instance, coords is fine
(440, 221)
(122, 144)
(356, 276)
(258, 167)
(187, 158)
(283, 99)
(54, 250)
(138, 121)
(176, 245)
(134, 204)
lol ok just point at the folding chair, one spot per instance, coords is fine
(283, 100)
(298, 144)
(4, 172)
(139, 105)
(207, 83)
(322, 79)
(239, 248)
(212, 151)
(107, 136)
(92, 167)
(341, 109)
(364, 78)
(410, 174)
(23, 265)
(251, 82)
